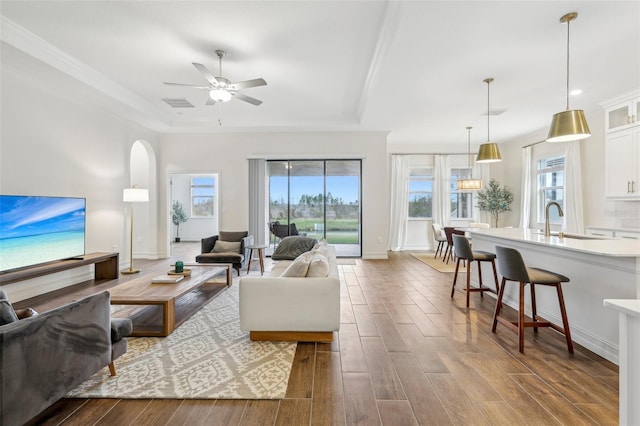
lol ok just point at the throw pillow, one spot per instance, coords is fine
(299, 267)
(321, 248)
(26, 313)
(318, 266)
(7, 314)
(291, 247)
(226, 247)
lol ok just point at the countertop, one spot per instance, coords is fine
(602, 246)
(628, 306)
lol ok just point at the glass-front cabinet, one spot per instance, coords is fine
(622, 112)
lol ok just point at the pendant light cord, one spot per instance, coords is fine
(469, 151)
(568, 23)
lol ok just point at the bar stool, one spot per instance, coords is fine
(439, 236)
(463, 251)
(513, 268)
(448, 232)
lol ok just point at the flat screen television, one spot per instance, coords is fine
(35, 230)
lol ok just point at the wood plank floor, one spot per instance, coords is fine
(407, 354)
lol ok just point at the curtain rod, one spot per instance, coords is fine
(433, 153)
(532, 144)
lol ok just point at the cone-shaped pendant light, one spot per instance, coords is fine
(489, 151)
(568, 125)
(470, 184)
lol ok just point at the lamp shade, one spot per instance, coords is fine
(569, 125)
(488, 153)
(135, 195)
(469, 184)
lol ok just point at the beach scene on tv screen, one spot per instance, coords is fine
(36, 230)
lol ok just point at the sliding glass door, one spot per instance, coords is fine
(322, 199)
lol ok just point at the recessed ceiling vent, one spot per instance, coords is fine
(178, 103)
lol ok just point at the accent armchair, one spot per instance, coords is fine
(227, 247)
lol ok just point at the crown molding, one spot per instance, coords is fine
(24, 40)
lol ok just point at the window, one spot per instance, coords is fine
(203, 191)
(420, 192)
(550, 187)
(461, 201)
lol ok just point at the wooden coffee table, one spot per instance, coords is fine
(142, 292)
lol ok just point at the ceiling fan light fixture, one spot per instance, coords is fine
(571, 124)
(220, 95)
(488, 151)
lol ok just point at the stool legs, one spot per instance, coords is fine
(481, 288)
(565, 319)
(519, 326)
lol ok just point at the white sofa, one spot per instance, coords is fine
(291, 308)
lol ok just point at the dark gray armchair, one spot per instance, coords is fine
(44, 356)
(224, 248)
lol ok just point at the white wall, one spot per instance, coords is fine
(227, 155)
(598, 210)
(193, 229)
(53, 144)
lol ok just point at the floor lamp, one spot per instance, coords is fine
(133, 195)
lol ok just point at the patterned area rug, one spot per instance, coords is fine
(436, 264)
(207, 357)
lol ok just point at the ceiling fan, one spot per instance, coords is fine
(220, 89)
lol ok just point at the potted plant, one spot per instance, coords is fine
(178, 216)
(495, 199)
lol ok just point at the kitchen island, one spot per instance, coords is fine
(599, 268)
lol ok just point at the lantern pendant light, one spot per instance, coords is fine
(568, 125)
(489, 151)
(470, 184)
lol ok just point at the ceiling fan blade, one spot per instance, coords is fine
(187, 85)
(246, 98)
(246, 84)
(210, 101)
(205, 72)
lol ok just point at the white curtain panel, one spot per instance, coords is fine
(441, 193)
(573, 220)
(258, 212)
(525, 188)
(399, 202)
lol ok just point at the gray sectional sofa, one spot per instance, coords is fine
(45, 356)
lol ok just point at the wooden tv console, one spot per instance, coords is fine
(106, 268)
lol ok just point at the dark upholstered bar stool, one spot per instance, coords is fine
(462, 250)
(513, 268)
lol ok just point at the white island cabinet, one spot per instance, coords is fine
(629, 313)
(599, 268)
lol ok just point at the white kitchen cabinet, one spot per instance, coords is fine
(628, 235)
(599, 232)
(622, 163)
(622, 112)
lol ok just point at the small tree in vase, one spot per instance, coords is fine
(495, 199)
(178, 216)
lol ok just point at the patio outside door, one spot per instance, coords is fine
(321, 197)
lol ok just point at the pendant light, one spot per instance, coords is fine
(470, 184)
(568, 125)
(488, 152)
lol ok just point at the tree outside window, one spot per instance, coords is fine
(203, 191)
(550, 182)
(461, 201)
(420, 192)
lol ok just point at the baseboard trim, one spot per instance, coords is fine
(292, 336)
